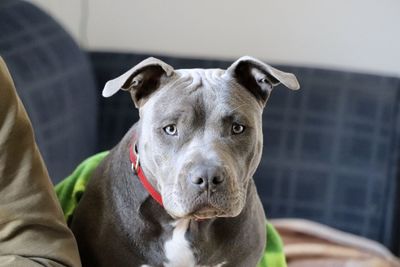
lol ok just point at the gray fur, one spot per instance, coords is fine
(117, 223)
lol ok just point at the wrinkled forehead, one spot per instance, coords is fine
(203, 91)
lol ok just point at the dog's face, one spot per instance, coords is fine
(200, 137)
(200, 131)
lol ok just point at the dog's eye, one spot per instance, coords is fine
(171, 129)
(237, 128)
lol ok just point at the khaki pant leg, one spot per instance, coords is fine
(32, 227)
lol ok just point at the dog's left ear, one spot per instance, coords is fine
(141, 80)
(260, 78)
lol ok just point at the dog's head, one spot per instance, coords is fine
(200, 131)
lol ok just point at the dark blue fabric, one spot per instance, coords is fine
(55, 83)
(331, 152)
(330, 149)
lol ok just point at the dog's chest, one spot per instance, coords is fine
(178, 251)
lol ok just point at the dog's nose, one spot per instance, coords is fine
(207, 178)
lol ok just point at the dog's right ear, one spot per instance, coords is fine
(141, 80)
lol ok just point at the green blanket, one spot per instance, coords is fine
(70, 190)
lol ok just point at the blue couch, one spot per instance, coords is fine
(331, 149)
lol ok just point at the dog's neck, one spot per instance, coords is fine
(138, 171)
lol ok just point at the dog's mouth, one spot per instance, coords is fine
(206, 212)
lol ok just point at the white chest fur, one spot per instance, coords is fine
(177, 250)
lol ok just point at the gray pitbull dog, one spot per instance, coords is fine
(200, 140)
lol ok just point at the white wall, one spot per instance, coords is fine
(360, 35)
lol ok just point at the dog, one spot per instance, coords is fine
(178, 191)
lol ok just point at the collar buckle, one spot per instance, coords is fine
(135, 166)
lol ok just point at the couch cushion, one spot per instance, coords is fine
(55, 83)
(331, 152)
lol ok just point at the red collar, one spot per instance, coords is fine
(139, 172)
